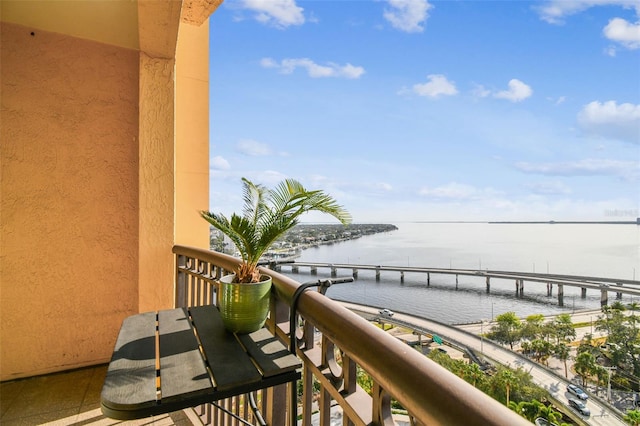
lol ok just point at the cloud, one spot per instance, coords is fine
(518, 91)
(276, 13)
(554, 11)
(623, 32)
(458, 191)
(618, 30)
(610, 120)
(548, 188)
(438, 85)
(253, 148)
(407, 15)
(628, 170)
(220, 163)
(288, 66)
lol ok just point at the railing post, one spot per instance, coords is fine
(181, 282)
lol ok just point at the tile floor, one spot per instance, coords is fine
(69, 398)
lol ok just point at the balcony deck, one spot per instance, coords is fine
(69, 398)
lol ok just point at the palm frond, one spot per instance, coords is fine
(266, 216)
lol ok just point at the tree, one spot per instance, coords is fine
(563, 328)
(507, 329)
(532, 327)
(473, 374)
(585, 366)
(562, 351)
(549, 414)
(507, 378)
(632, 417)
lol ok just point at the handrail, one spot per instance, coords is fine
(431, 394)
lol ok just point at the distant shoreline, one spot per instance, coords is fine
(559, 222)
(541, 222)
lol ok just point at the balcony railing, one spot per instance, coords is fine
(346, 342)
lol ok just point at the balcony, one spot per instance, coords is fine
(333, 343)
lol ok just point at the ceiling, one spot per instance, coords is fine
(107, 21)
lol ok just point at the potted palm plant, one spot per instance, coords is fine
(243, 297)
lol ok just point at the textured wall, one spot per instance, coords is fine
(69, 208)
(156, 183)
(192, 135)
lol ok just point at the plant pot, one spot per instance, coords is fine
(243, 306)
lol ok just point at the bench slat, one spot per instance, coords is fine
(230, 364)
(182, 369)
(269, 353)
(130, 378)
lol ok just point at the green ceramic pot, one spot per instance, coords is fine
(244, 307)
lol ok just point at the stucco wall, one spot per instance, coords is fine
(192, 135)
(69, 206)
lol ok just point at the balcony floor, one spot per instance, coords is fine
(68, 398)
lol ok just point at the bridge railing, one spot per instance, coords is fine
(337, 347)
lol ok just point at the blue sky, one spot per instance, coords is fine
(414, 110)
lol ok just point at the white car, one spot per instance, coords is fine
(386, 312)
(577, 391)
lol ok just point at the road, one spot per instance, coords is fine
(554, 384)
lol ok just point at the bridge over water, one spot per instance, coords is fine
(604, 285)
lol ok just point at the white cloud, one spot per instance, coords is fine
(253, 148)
(548, 188)
(517, 91)
(438, 85)
(628, 170)
(288, 66)
(610, 120)
(553, 11)
(220, 163)
(458, 191)
(480, 91)
(408, 15)
(277, 13)
(618, 30)
(623, 32)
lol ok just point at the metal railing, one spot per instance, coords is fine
(336, 345)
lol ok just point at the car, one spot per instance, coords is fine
(577, 391)
(579, 406)
(386, 312)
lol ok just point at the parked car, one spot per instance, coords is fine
(577, 391)
(386, 312)
(579, 406)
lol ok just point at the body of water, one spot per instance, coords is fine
(578, 249)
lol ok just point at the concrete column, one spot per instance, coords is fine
(560, 295)
(619, 294)
(334, 271)
(355, 273)
(314, 270)
(377, 274)
(428, 279)
(521, 288)
(488, 284)
(583, 292)
(604, 296)
(402, 276)
(295, 269)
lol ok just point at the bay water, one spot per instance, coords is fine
(601, 250)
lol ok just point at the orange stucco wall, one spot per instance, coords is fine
(192, 135)
(69, 200)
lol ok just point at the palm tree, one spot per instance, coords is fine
(548, 413)
(632, 417)
(585, 365)
(508, 379)
(562, 351)
(267, 215)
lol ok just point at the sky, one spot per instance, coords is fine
(415, 110)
